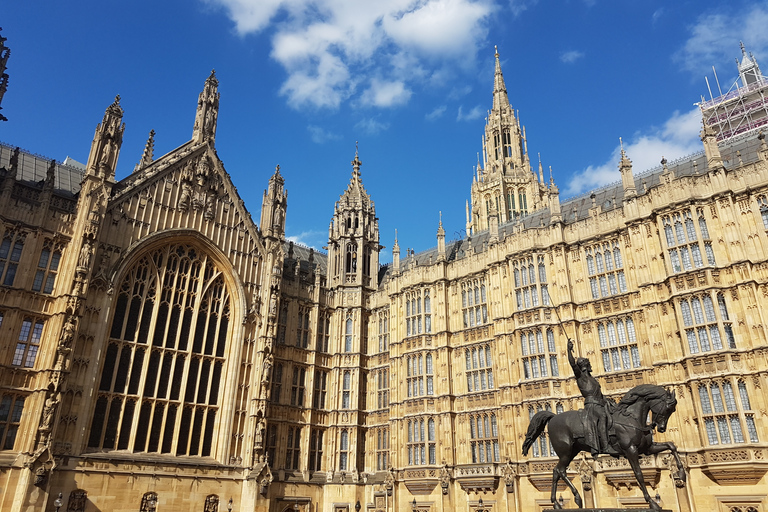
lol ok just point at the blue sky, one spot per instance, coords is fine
(302, 80)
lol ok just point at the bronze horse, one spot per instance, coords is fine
(633, 436)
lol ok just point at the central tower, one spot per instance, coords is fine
(504, 187)
(353, 238)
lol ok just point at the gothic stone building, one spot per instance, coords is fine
(161, 350)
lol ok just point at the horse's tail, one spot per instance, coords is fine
(535, 428)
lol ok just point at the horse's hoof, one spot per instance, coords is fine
(556, 505)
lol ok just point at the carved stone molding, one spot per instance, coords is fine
(627, 478)
(421, 487)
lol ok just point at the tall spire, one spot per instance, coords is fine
(500, 98)
(107, 141)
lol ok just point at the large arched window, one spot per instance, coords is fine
(163, 364)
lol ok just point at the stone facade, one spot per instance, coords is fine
(163, 351)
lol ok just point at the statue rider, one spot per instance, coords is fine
(597, 408)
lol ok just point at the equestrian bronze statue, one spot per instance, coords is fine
(604, 427)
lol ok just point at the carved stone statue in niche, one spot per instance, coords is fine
(273, 304)
(278, 218)
(67, 333)
(106, 154)
(49, 410)
(85, 255)
(186, 194)
(259, 437)
(210, 122)
(267, 368)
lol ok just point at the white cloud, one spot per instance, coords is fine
(571, 56)
(371, 126)
(714, 37)
(436, 113)
(326, 45)
(320, 135)
(677, 138)
(520, 6)
(458, 92)
(385, 94)
(657, 15)
(475, 113)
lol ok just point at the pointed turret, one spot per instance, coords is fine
(147, 156)
(396, 255)
(106, 144)
(440, 240)
(555, 213)
(273, 206)
(207, 111)
(627, 178)
(354, 236)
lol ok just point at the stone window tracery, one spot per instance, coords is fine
(684, 243)
(727, 412)
(422, 447)
(348, 335)
(28, 343)
(346, 389)
(316, 449)
(418, 312)
(272, 444)
(293, 448)
(539, 354)
(419, 375)
(605, 267)
(282, 324)
(484, 438)
(323, 331)
(297, 386)
(706, 322)
(302, 328)
(530, 280)
(618, 344)
(11, 407)
(478, 363)
(47, 267)
(383, 317)
(343, 449)
(382, 377)
(382, 448)
(10, 254)
(474, 302)
(159, 390)
(277, 383)
(321, 381)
